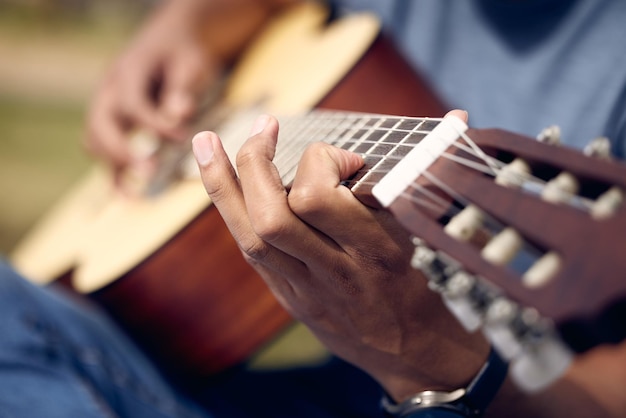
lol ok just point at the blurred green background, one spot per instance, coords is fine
(52, 54)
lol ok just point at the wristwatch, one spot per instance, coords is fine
(471, 401)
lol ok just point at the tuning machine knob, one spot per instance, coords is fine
(458, 289)
(598, 147)
(550, 135)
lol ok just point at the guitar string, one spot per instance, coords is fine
(341, 129)
(492, 166)
(350, 124)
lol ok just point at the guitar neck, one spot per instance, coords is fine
(381, 140)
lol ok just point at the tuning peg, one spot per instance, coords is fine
(514, 174)
(550, 135)
(463, 226)
(542, 270)
(598, 147)
(503, 247)
(561, 188)
(540, 364)
(607, 203)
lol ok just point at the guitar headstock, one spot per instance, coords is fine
(522, 238)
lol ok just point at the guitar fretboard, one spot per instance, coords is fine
(381, 140)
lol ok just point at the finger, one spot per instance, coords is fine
(318, 197)
(107, 134)
(222, 185)
(266, 197)
(461, 114)
(137, 97)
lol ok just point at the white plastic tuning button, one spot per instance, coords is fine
(503, 247)
(514, 174)
(542, 270)
(598, 147)
(550, 135)
(463, 226)
(607, 203)
(561, 188)
(540, 364)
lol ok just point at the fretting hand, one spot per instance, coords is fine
(336, 265)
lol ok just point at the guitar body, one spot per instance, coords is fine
(166, 268)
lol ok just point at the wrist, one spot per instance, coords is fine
(429, 367)
(469, 401)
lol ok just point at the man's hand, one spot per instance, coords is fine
(154, 86)
(336, 265)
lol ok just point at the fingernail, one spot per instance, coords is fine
(202, 148)
(259, 125)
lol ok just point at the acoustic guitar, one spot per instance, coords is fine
(163, 264)
(517, 235)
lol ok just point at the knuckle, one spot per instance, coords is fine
(246, 158)
(305, 199)
(255, 251)
(269, 226)
(215, 188)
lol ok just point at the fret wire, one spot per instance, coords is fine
(296, 135)
(348, 124)
(368, 154)
(363, 139)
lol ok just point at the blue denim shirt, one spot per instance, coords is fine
(520, 65)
